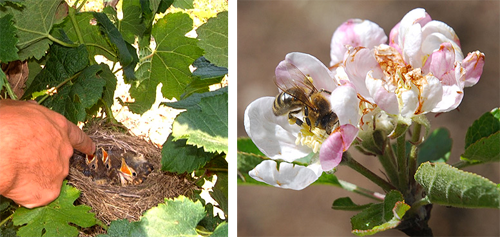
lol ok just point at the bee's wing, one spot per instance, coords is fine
(289, 76)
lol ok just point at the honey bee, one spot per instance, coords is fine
(298, 94)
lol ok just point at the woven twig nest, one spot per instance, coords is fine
(112, 202)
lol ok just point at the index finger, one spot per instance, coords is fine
(79, 140)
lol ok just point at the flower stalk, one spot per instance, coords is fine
(353, 164)
(415, 141)
(402, 163)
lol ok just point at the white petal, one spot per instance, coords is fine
(288, 176)
(385, 99)
(273, 135)
(311, 66)
(409, 102)
(433, 42)
(412, 46)
(452, 96)
(438, 27)
(345, 104)
(432, 93)
(359, 62)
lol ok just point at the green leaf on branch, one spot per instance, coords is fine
(8, 40)
(54, 219)
(221, 230)
(486, 125)
(168, 64)
(183, 4)
(177, 217)
(220, 191)
(436, 148)
(19, 3)
(449, 186)
(346, 204)
(246, 144)
(381, 216)
(206, 74)
(213, 39)
(34, 22)
(96, 42)
(126, 53)
(205, 124)
(179, 158)
(245, 163)
(132, 24)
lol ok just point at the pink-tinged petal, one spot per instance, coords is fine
(409, 102)
(431, 95)
(288, 176)
(330, 154)
(273, 135)
(412, 45)
(345, 103)
(452, 96)
(415, 16)
(358, 63)
(473, 64)
(387, 101)
(393, 38)
(441, 61)
(438, 27)
(311, 66)
(355, 32)
(434, 41)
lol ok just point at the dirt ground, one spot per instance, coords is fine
(268, 30)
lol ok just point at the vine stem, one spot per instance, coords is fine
(9, 90)
(60, 84)
(81, 5)
(402, 163)
(353, 164)
(6, 219)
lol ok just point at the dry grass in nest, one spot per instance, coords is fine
(112, 202)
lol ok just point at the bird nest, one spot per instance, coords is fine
(112, 202)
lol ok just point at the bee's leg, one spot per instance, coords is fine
(323, 90)
(306, 116)
(292, 119)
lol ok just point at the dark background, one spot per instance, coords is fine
(268, 30)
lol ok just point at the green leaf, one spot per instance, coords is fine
(484, 150)
(381, 216)
(436, 148)
(220, 191)
(245, 144)
(221, 230)
(194, 100)
(449, 186)
(486, 125)
(55, 218)
(169, 63)
(108, 94)
(183, 4)
(34, 23)
(132, 24)
(213, 39)
(206, 74)
(126, 53)
(177, 217)
(346, 204)
(19, 3)
(204, 125)
(179, 158)
(96, 42)
(8, 40)
(245, 163)
(210, 222)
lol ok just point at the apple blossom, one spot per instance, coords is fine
(281, 139)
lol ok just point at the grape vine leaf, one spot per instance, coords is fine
(54, 219)
(205, 124)
(34, 22)
(91, 34)
(183, 4)
(346, 204)
(206, 74)
(221, 230)
(8, 40)
(220, 191)
(127, 55)
(179, 158)
(132, 23)
(449, 186)
(177, 217)
(19, 3)
(482, 139)
(381, 216)
(168, 64)
(213, 39)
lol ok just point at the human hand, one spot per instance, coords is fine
(35, 146)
